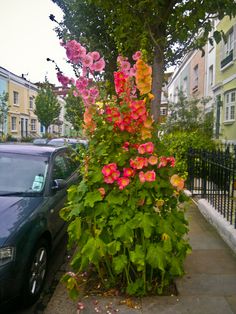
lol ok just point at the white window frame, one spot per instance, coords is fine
(33, 125)
(163, 111)
(229, 45)
(13, 124)
(230, 104)
(31, 102)
(16, 98)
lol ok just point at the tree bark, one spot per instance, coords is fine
(157, 81)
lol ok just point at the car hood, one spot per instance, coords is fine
(14, 211)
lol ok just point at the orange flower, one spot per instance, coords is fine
(177, 182)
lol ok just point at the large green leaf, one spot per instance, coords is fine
(119, 263)
(92, 197)
(156, 256)
(138, 257)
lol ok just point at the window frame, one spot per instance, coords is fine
(13, 124)
(16, 98)
(230, 104)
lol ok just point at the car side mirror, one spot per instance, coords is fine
(59, 184)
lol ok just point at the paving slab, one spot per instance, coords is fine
(184, 305)
(208, 285)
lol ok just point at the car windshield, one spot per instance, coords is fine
(22, 173)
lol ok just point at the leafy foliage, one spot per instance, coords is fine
(47, 107)
(74, 110)
(124, 216)
(165, 29)
(187, 126)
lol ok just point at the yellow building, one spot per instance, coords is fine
(22, 122)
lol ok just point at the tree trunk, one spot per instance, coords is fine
(157, 81)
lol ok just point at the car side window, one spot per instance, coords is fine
(63, 166)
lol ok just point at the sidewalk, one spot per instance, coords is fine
(209, 286)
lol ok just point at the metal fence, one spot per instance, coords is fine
(212, 175)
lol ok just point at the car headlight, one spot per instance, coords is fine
(6, 255)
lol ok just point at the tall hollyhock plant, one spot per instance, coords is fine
(124, 215)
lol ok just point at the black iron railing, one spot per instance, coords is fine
(212, 175)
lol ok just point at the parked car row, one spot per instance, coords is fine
(33, 188)
(60, 141)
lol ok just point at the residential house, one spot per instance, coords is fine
(225, 82)
(21, 121)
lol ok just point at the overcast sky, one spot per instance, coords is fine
(27, 38)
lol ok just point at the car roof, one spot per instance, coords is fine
(29, 149)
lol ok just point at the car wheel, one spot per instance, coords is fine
(36, 273)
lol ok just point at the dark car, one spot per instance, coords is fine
(63, 141)
(33, 189)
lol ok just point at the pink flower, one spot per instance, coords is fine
(137, 55)
(87, 61)
(95, 55)
(115, 174)
(109, 180)
(142, 149)
(171, 161)
(82, 52)
(106, 170)
(94, 92)
(126, 146)
(99, 65)
(139, 163)
(128, 172)
(64, 80)
(149, 147)
(152, 160)
(85, 94)
(125, 66)
(146, 148)
(123, 182)
(142, 177)
(150, 176)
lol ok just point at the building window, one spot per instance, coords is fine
(185, 86)
(230, 102)
(31, 102)
(33, 124)
(228, 47)
(13, 123)
(163, 111)
(195, 77)
(210, 75)
(227, 55)
(15, 98)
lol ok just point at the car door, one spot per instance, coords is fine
(64, 168)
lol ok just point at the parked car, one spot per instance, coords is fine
(66, 141)
(40, 141)
(33, 189)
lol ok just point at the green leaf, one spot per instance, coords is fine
(116, 198)
(136, 288)
(74, 230)
(124, 232)
(156, 257)
(167, 246)
(113, 247)
(119, 263)
(138, 257)
(176, 268)
(92, 197)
